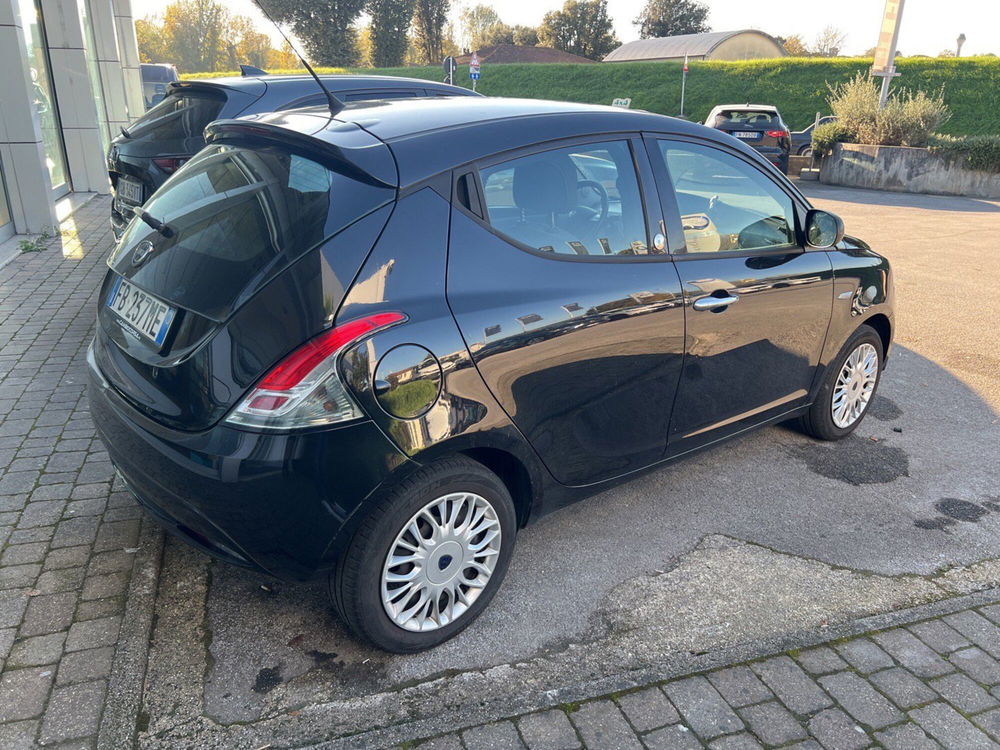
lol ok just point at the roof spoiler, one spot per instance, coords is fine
(252, 70)
(348, 161)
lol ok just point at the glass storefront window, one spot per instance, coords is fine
(43, 94)
(96, 88)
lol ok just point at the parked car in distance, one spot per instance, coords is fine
(802, 139)
(759, 126)
(155, 78)
(372, 347)
(151, 149)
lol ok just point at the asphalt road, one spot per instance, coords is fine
(769, 535)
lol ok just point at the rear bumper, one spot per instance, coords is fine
(280, 504)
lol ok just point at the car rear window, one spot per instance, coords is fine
(158, 73)
(748, 117)
(180, 115)
(238, 215)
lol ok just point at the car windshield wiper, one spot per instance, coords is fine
(125, 132)
(160, 226)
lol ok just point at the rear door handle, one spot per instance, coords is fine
(714, 303)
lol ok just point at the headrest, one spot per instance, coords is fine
(545, 184)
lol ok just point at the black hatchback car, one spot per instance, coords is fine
(373, 346)
(153, 147)
(757, 125)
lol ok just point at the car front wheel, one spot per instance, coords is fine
(848, 388)
(428, 559)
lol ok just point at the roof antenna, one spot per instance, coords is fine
(333, 103)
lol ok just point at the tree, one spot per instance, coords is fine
(193, 33)
(326, 27)
(794, 45)
(672, 17)
(829, 42)
(480, 24)
(390, 23)
(149, 36)
(244, 44)
(526, 36)
(282, 59)
(946, 53)
(429, 18)
(582, 27)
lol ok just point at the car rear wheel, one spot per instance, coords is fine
(848, 388)
(806, 151)
(428, 559)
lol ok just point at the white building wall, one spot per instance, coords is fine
(22, 155)
(128, 50)
(109, 65)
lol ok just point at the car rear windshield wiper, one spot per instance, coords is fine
(125, 132)
(160, 226)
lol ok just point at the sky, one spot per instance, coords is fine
(928, 26)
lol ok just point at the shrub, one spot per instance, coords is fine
(827, 134)
(980, 152)
(907, 119)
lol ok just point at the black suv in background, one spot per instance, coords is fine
(757, 125)
(155, 145)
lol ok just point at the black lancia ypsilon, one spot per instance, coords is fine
(374, 345)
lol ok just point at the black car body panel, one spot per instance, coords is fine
(563, 373)
(179, 134)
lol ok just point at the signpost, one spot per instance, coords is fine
(684, 77)
(474, 69)
(885, 52)
(450, 66)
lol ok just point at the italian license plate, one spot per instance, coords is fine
(750, 136)
(128, 191)
(143, 312)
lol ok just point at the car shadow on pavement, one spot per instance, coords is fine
(769, 535)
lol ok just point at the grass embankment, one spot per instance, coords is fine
(797, 86)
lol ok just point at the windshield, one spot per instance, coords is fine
(180, 115)
(752, 118)
(236, 215)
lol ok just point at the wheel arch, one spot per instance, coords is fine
(883, 327)
(512, 472)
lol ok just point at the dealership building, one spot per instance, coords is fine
(70, 81)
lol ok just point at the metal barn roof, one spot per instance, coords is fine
(671, 47)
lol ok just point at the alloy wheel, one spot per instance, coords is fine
(855, 385)
(441, 561)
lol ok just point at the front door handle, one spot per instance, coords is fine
(714, 303)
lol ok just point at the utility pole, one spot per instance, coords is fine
(885, 51)
(961, 41)
(684, 77)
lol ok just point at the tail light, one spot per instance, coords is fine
(304, 389)
(169, 164)
(776, 133)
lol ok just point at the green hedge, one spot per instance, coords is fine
(798, 86)
(980, 152)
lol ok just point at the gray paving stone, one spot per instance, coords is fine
(447, 742)
(950, 728)
(835, 729)
(675, 737)
(860, 700)
(601, 724)
(97, 608)
(939, 636)
(18, 735)
(104, 586)
(792, 686)
(977, 629)
(702, 707)
(906, 737)
(820, 660)
(23, 693)
(963, 693)
(19, 576)
(6, 642)
(739, 686)
(36, 651)
(111, 562)
(501, 735)
(73, 712)
(84, 666)
(13, 602)
(67, 557)
(913, 653)
(18, 554)
(93, 633)
(976, 663)
(73, 531)
(742, 741)
(63, 579)
(772, 723)
(648, 709)
(41, 513)
(989, 721)
(548, 730)
(903, 689)
(864, 655)
(48, 614)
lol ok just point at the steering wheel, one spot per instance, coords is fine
(602, 194)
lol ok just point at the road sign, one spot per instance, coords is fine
(474, 75)
(885, 52)
(624, 103)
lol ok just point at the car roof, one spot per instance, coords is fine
(337, 81)
(431, 135)
(745, 106)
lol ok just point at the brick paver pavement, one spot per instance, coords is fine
(67, 533)
(929, 684)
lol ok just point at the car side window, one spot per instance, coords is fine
(580, 200)
(359, 96)
(726, 205)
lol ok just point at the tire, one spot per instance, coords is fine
(783, 164)
(362, 578)
(821, 421)
(805, 151)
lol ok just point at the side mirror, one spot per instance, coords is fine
(823, 229)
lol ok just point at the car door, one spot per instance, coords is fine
(569, 302)
(757, 302)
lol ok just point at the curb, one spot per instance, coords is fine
(682, 666)
(128, 672)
